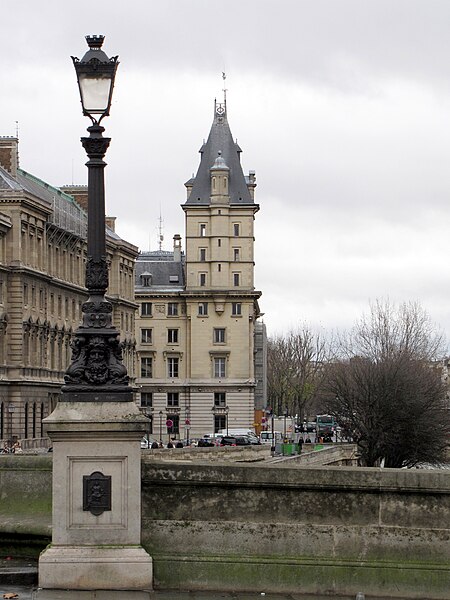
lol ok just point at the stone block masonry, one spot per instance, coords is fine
(329, 530)
(243, 527)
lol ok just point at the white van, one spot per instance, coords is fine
(266, 437)
(232, 432)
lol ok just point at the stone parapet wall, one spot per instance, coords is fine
(315, 530)
(334, 454)
(328, 530)
(213, 454)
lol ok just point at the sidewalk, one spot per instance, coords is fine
(29, 593)
(19, 576)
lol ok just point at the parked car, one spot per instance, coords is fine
(236, 440)
(206, 442)
(227, 440)
(146, 442)
(242, 440)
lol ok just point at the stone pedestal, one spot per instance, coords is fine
(96, 499)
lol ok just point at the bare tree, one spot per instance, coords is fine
(296, 370)
(385, 390)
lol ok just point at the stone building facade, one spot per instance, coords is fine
(197, 311)
(42, 271)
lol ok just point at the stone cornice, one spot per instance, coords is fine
(222, 295)
(24, 199)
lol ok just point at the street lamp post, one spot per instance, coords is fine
(97, 369)
(160, 425)
(187, 425)
(96, 428)
(272, 449)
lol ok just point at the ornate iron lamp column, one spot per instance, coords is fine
(97, 366)
(96, 429)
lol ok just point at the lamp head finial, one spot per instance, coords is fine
(95, 42)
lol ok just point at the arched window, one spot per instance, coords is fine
(41, 419)
(25, 433)
(34, 419)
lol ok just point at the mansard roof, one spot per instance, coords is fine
(166, 273)
(66, 212)
(7, 181)
(220, 143)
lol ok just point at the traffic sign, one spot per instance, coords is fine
(169, 423)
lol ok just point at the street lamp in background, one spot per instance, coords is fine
(187, 425)
(160, 425)
(284, 428)
(272, 449)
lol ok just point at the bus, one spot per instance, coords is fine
(325, 425)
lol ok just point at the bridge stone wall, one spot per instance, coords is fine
(316, 530)
(327, 530)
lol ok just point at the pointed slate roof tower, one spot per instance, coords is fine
(220, 143)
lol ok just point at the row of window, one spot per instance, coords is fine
(173, 336)
(147, 309)
(173, 308)
(59, 305)
(236, 278)
(171, 421)
(236, 254)
(33, 427)
(172, 424)
(236, 229)
(173, 367)
(173, 399)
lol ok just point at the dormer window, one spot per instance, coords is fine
(146, 279)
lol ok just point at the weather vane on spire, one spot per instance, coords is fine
(224, 88)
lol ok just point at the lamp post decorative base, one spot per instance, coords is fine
(96, 496)
(81, 568)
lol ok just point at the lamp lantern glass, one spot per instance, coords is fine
(95, 73)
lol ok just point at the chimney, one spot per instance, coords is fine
(177, 247)
(111, 222)
(9, 154)
(78, 192)
(251, 183)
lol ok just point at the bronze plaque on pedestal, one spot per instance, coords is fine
(96, 493)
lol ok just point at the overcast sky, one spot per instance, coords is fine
(342, 107)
